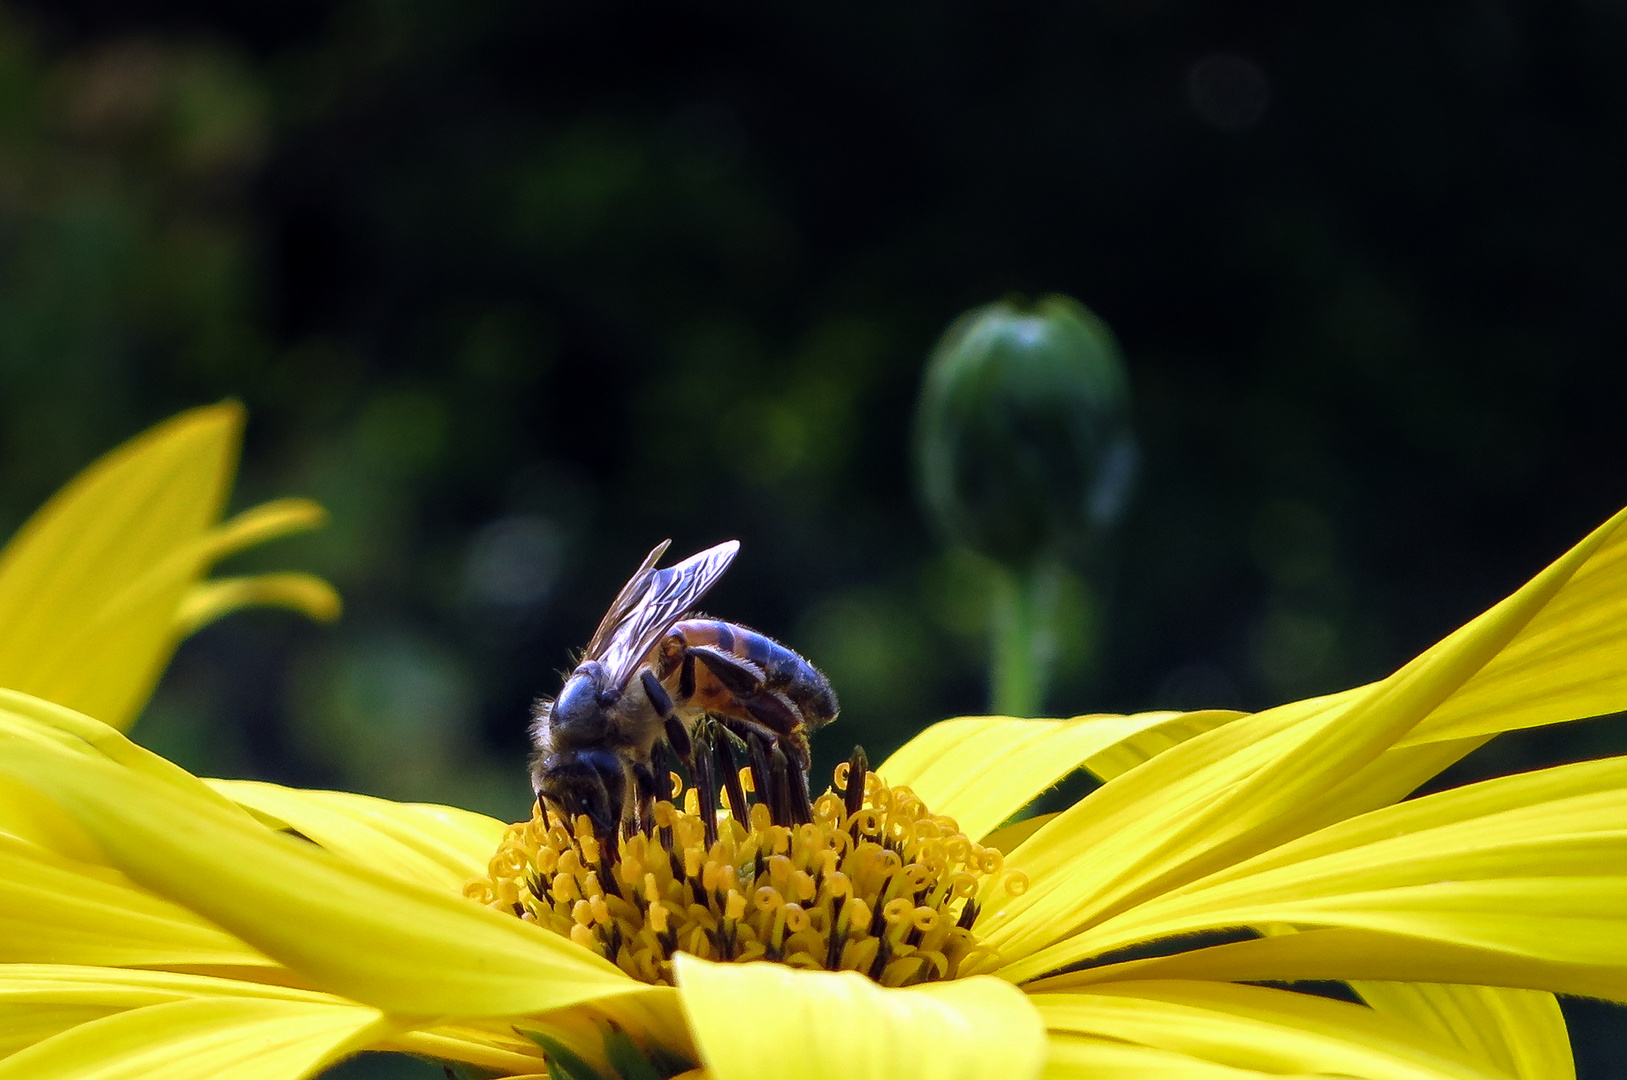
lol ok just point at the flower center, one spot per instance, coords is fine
(871, 882)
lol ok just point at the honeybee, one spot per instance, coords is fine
(651, 673)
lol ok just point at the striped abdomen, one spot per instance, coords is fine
(718, 667)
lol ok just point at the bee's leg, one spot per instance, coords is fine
(744, 680)
(729, 771)
(742, 677)
(757, 757)
(792, 777)
(661, 702)
(661, 771)
(659, 698)
(777, 783)
(686, 677)
(648, 788)
(702, 769)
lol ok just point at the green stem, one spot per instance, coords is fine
(1024, 619)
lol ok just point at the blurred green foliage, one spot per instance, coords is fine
(517, 290)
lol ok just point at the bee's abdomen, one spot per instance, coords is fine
(784, 671)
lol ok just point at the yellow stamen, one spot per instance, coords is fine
(805, 894)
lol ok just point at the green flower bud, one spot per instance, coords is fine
(1023, 440)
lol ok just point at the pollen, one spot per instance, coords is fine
(871, 881)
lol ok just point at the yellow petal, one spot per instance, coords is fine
(758, 1020)
(1521, 1032)
(256, 525)
(505, 1054)
(210, 600)
(440, 847)
(201, 1039)
(1130, 822)
(27, 815)
(1531, 866)
(91, 585)
(42, 999)
(1346, 954)
(348, 929)
(1142, 746)
(1566, 663)
(1272, 1031)
(56, 909)
(980, 770)
(1224, 796)
(49, 724)
(95, 540)
(38, 1001)
(1080, 1057)
(1009, 838)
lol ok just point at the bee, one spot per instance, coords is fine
(652, 671)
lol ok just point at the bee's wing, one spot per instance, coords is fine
(626, 600)
(650, 603)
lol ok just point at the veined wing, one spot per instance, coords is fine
(626, 600)
(650, 603)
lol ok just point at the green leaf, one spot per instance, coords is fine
(563, 1062)
(626, 1058)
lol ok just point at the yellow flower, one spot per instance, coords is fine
(156, 924)
(98, 587)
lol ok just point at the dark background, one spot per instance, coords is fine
(518, 289)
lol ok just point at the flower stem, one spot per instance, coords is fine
(1024, 627)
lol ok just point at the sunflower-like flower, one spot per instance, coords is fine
(156, 924)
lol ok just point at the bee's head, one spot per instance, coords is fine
(587, 782)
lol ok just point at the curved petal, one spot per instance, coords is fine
(207, 601)
(1565, 663)
(258, 524)
(1113, 834)
(1347, 954)
(440, 847)
(1520, 1032)
(38, 1001)
(980, 770)
(1147, 743)
(757, 1020)
(201, 1039)
(28, 816)
(1533, 866)
(504, 1056)
(1219, 798)
(46, 723)
(1271, 1031)
(348, 929)
(91, 544)
(1008, 838)
(57, 909)
(97, 587)
(1081, 1057)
